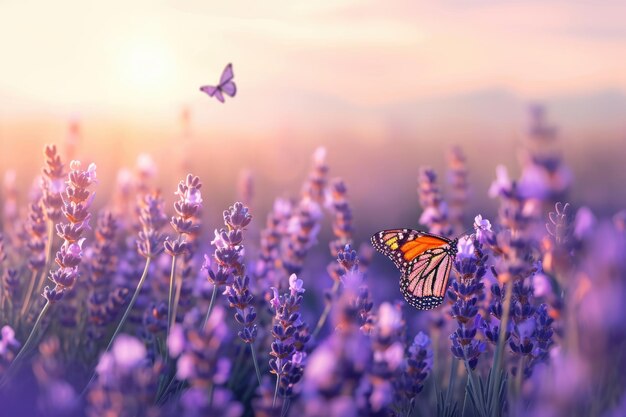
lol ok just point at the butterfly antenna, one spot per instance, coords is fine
(466, 232)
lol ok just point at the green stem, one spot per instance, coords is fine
(125, 316)
(28, 295)
(256, 364)
(40, 282)
(477, 390)
(519, 377)
(161, 395)
(11, 312)
(42, 277)
(48, 249)
(497, 359)
(170, 301)
(276, 389)
(236, 368)
(132, 302)
(211, 389)
(467, 383)
(285, 409)
(208, 313)
(327, 308)
(451, 381)
(27, 345)
(178, 287)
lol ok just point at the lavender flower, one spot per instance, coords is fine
(228, 255)
(335, 376)
(8, 347)
(103, 264)
(56, 397)
(76, 204)
(154, 320)
(342, 211)
(152, 218)
(53, 184)
(302, 229)
(187, 207)
(188, 204)
(465, 294)
(11, 285)
(240, 298)
(268, 272)
(492, 327)
(561, 245)
(435, 214)
(199, 352)
(531, 337)
(416, 368)
(459, 187)
(484, 234)
(148, 245)
(340, 249)
(388, 353)
(37, 231)
(315, 186)
(290, 335)
(544, 176)
(127, 381)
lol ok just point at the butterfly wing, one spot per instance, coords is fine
(229, 88)
(425, 282)
(404, 245)
(213, 92)
(209, 89)
(227, 74)
(218, 95)
(425, 261)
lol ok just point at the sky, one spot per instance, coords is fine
(404, 79)
(146, 59)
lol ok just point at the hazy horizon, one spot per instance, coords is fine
(379, 87)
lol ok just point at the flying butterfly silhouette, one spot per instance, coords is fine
(226, 85)
(423, 259)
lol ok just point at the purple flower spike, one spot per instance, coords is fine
(290, 336)
(415, 370)
(295, 285)
(7, 340)
(503, 185)
(76, 204)
(435, 214)
(237, 216)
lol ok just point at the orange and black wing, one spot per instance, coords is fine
(425, 261)
(424, 285)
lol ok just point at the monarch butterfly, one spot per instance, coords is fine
(423, 259)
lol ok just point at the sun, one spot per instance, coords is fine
(147, 65)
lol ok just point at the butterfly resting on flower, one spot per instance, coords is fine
(425, 261)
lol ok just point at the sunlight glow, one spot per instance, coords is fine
(147, 65)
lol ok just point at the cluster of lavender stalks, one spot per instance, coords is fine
(124, 312)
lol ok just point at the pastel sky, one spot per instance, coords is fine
(145, 58)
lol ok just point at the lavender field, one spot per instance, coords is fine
(332, 208)
(120, 304)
